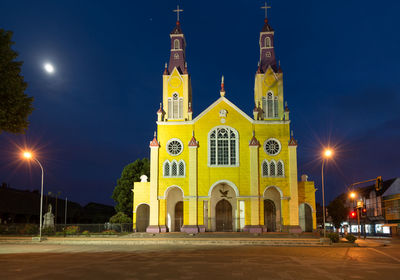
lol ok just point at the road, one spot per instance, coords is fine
(41, 261)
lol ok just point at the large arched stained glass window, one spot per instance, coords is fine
(223, 147)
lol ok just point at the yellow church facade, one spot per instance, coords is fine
(223, 170)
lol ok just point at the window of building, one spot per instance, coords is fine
(272, 168)
(272, 146)
(176, 56)
(270, 106)
(267, 42)
(223, 147)
(176, 44)
(174, 168)
(268, 54)
(275, 106)
(175, 107)
(265, 168)
(174, 147)
(280, 171)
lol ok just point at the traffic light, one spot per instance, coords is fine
(353, 214)
(364, 212)
(378, 183)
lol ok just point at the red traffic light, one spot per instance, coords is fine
(353, 214)
(364, 210)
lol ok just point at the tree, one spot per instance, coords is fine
(15, 105)
(120, 218)
(122, 192)
(338, 212)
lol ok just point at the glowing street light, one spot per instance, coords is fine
(28, 155)
(49, 68)
(325, 156)
(352, 195)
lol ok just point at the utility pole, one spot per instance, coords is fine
(65, 221)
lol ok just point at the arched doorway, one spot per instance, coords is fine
(305, 217)
(142, 217)
(272, 208)
(174, 207)
(269, 215)
(178, 215)
(223, 216)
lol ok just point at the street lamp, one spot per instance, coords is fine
(28, 155)
(325, 155)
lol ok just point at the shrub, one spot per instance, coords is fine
(85, 232)
(351, 238)
(29, 229)
(109, 232)
(333, 236)
(60, 233)
(72, 230)
(48, 231)
(120, 218)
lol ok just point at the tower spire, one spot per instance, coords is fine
(178, 44)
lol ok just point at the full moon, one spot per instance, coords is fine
(49, 68)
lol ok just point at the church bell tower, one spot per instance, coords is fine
(177, 90)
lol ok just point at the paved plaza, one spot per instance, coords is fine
(53, 261)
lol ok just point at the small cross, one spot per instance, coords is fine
(266, 7)
(177, 11)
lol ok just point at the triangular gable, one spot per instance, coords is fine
(219, 100)
(393, 189)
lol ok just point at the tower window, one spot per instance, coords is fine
(177, 45)
(176, 56)
(265, 168)
(223, 147)
(270, 106)
(280, 171)
(272, 168)
(267, 42)
(268, 54)
(175, 107)
(181, 168)
(174, 168)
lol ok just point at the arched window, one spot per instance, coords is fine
(276, 107)
(269, 105)
(223, 147)
(181, 168)
(176, 56)
(272, 168)
(174, 169)
(166, 169)
(265, 168)
(176, 44)
(267, 42)
(175, 107)
(280, 171)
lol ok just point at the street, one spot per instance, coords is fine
(41, 261)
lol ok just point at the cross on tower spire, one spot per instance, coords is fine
(177, 11)
(266, 7)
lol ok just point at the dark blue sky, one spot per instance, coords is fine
(97, 112)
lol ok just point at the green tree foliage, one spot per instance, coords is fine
(15, 105)
(338, 212)
(122, 192)
(120, 218)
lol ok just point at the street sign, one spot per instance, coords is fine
(360, 204)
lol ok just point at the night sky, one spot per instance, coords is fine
(97, 112)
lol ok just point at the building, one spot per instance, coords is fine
(382, 208)
(223, 170)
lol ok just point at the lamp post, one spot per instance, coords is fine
(326, 155)
(28, 155)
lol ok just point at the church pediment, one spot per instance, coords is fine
(222, 110)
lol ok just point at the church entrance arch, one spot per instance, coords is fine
(305, 217)
(174, 205)
(223, 207)
(272, 208)
(269, 215)
(142, 217)
(223, 215)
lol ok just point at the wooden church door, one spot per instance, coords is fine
(223, 215)
(178, 215)
(269, 215)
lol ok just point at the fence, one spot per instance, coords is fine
(68, 229)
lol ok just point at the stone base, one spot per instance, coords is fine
(202, 228)
(254, 229)
(155, 229)
(292, 229)
(163, 228)
(190, 229)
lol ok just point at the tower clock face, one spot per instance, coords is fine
(272, 147)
